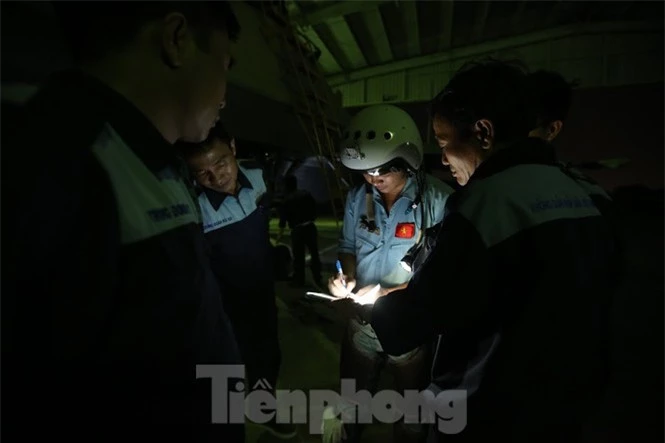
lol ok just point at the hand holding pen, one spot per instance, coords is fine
(340, 273)
(340, 285)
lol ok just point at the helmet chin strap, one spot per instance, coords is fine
(369, 206)
(420, 183)
(417, 202)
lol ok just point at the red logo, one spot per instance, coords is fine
(405, 230)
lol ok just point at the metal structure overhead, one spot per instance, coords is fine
(361, 34)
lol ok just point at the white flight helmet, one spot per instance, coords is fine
(379, 134)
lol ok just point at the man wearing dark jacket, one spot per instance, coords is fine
(113, 302)
(516, 291)
(298, 210)
(627, 413)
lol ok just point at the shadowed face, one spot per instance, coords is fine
(389, 183)
(216, 168)
(462, 156)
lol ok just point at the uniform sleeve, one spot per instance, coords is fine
(347, 239)
(449, 292)
(438, 193)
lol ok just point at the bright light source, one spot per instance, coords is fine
(369, 297)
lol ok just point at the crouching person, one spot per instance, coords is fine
(235, 212)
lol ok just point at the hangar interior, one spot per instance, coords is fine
(305, 67)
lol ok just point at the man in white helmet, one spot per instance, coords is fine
(384, 221)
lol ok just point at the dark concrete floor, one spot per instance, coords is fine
(310, 334)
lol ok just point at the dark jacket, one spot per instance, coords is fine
(112, 294)
(516, 293)
(297, 208)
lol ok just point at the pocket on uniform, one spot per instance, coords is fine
(367, 242)
(399, 247)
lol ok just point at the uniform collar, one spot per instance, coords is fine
(526, 151)
(127, 120)
(409, 191)
(217, 198)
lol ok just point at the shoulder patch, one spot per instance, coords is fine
(148, 205)
(551, 196)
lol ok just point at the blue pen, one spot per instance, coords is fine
(338, 265)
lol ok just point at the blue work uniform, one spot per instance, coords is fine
(237, 230)
(236, 227)
(378, 254)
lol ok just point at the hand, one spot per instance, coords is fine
(386, 291)
(363, 291)
(336, 288)
(367, 295)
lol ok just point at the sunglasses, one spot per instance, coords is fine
(383, 170)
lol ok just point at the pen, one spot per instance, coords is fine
(338, 264)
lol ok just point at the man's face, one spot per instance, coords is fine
(462, 156)
(390, 183)
(216, 169)
(203, 87)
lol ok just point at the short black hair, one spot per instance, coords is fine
(189, 150)
(94, 28)
(486, 89)
(549, 96)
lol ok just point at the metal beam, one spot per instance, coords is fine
(347, 42)
(339, 9)
(577, 29)
(411, 28)
(326, 60)
(379, 39)
(480, 20)
(330, 41)
(447, 14)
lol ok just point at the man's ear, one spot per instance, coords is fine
(175, 38)
(553, 129)
(485, 132)
(232, 145)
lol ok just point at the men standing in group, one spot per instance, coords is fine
(517, 288)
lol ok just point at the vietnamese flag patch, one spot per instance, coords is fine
(405, 230)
